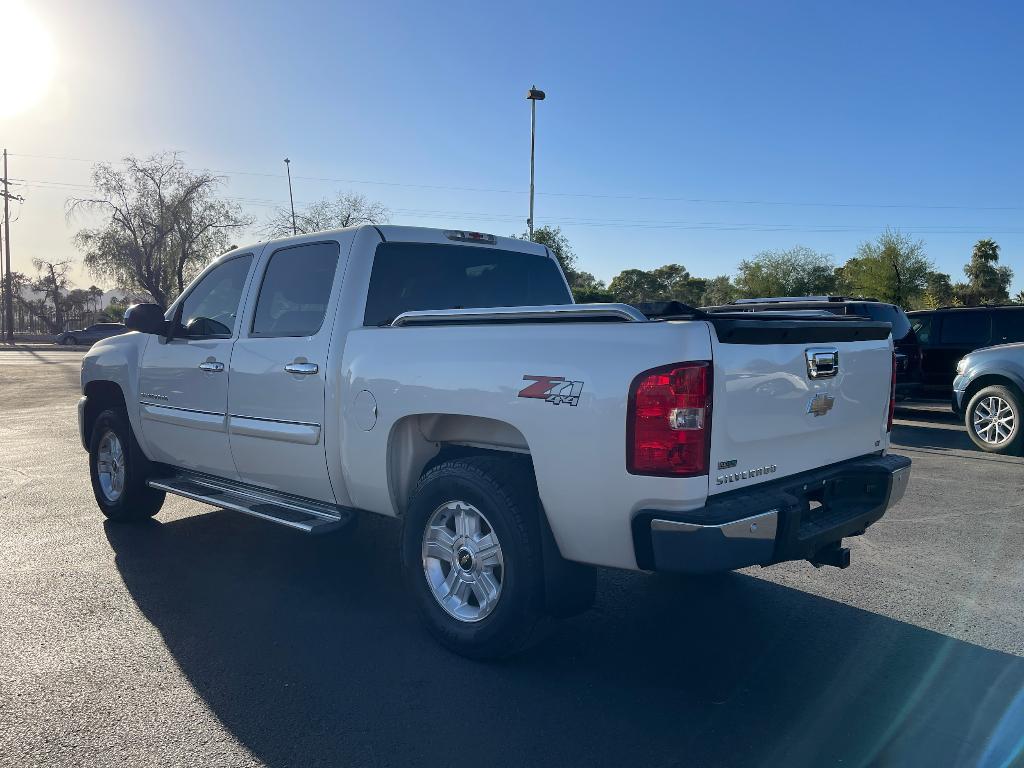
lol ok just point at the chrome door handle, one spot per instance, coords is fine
(304, 369)
(213, 367)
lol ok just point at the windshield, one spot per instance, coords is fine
(418, 276)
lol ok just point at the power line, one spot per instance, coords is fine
(605, 222)
(583, 195)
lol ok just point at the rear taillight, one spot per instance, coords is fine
(668, 424)
(892, 394)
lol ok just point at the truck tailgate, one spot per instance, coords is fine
(792, 395)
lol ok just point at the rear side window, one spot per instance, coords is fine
(967, 329)
(418, 276)
(1007, 326)
(922, 326)
(296, 290)
(887, 313)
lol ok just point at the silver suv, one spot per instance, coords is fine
(987, 394)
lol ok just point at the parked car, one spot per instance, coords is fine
(908, 356)
(945, 335)
(90, 335)
(988, 394)
(521, 443)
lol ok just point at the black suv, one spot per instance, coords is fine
(948, 333)
(908, 356)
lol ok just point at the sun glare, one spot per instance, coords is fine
(29, 58)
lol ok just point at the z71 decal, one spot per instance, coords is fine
(553, 389)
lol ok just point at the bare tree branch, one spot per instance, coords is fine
(163, 224)
(348, 209)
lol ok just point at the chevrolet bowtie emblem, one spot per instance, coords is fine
(820, 404)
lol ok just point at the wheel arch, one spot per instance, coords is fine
(100, 396)
(420, 441)
(991, 380)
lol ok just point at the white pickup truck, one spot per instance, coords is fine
(447, 378)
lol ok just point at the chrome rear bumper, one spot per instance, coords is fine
(794, 518)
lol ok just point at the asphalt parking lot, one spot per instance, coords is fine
(209, 638)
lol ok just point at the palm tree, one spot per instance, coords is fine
(95, 298)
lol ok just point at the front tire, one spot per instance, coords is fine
(69, 341)
(119, 470)
(993, 419)
(472, 556)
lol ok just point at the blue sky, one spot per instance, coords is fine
(675, 132)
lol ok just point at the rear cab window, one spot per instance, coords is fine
(922, 325)
(407, 277)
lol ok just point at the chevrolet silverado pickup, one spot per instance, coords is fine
(446, 378)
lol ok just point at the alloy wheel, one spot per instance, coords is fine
(993, 420)
(110, 466)
(462, 561)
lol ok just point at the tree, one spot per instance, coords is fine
(632, 286)
(893, 269)
(798, 271)
(938, 290)
(52, 282)
(77, 301)
(114, 311)
(677, 284)
(95, 298)
(671, 282)
(163, 224)
(719, 290)
(587, 289)
(348, 209)
(987, 282)
(558, 244)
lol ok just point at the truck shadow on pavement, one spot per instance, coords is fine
(307, 650)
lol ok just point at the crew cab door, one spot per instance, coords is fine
(183, 383)
(279, 372)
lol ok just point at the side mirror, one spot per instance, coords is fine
(146, 318)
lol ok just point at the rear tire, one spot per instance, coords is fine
(993, 419)
(472, 555)
(119, 470)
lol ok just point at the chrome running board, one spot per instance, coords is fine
(302, 514)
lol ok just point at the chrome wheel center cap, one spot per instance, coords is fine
(465, 558)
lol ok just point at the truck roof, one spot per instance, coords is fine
(403, 234)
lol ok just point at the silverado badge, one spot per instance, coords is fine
(820, 404)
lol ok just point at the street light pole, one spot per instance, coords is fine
(534, 96)
(288, 167)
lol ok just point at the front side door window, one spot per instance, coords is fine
(210, 311)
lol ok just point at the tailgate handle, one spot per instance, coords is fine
(822, 362)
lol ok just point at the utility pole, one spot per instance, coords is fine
(534, 96)
(3, 304)
(8, 296)
(288, 167)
